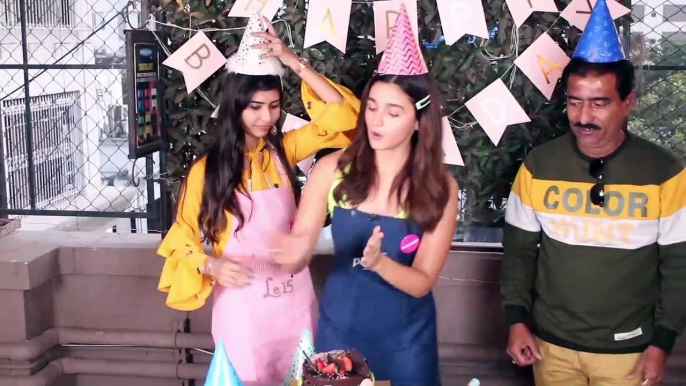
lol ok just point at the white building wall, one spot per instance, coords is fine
(657, 19)
(98, 90)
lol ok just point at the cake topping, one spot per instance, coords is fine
(336, 365)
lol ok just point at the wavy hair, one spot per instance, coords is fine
(225, 158)
(423, 177)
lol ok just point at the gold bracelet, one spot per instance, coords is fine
(303, 64)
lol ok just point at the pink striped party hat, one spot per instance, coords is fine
(402, 55)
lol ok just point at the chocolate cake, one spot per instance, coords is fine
(337, 368)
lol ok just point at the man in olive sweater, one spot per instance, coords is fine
(595, 240)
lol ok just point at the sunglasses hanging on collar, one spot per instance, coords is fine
(597, 170)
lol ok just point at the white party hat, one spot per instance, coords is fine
(247, 60)
(305, 350)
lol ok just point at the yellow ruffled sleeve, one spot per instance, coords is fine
(332, 125)
(182, 247)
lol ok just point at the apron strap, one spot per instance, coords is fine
(279, 165)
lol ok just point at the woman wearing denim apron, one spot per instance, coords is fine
(393, 209)
(239, 194)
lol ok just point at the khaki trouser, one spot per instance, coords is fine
(564, 367)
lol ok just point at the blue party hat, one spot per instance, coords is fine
(600, 42)
(221, 371)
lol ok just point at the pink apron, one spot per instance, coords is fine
(261, 325)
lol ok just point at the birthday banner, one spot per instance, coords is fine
(522, 9)
(494, 108)
(291, 123)
(451, 153)
(328, 20)
(578, 12)
(197, 59)
(543, 63)
(245, 8)
(462, 17)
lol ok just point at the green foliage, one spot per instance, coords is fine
(462, 70)
(660, 113)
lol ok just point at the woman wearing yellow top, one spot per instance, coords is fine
(241, 193)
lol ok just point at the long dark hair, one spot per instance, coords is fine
(424, 176)
(225, 158)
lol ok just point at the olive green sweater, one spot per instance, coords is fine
(604, 280)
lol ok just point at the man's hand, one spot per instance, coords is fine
(522, 347)
(650, 367)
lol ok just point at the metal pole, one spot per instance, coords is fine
(27, 105)
(153, 218)
(165, 202)
(3, 182)
(145, 11)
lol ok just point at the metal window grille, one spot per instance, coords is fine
(54, 126)
(658, 50)
(39, 13)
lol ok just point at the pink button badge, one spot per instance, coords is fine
(409, 243)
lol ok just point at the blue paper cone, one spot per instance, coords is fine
(304, 350)
(221, 371)
(600, 42)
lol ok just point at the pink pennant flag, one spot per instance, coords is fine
(522, 9)
(451, 153)
(462, 17)
(385, 14)
(246, 8)
(291, 123)
(197, 59)
(543, 63)
(578, 12)
(495, 108)
(328, 20)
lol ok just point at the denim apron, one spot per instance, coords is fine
(395, 331)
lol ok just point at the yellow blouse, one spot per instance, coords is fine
(332, 126)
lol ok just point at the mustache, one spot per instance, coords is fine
(591, 126)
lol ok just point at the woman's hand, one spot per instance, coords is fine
(275, 46)
(230, 273)
(372, 256)
(292, 252)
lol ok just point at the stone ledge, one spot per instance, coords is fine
(97, 285)
(29, 259)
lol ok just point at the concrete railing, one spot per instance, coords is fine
(82, 308)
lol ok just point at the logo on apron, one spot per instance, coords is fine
(275, 289)
(358, 261)
(276, 282)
